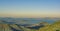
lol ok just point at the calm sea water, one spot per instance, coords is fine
(27, 20)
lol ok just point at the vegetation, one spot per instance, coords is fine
(52, 27)
(14, 27)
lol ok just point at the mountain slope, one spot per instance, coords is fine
(10, 27)
(53, 27)
(15, 27)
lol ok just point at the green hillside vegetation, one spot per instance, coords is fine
(52, 27)
(14, 27)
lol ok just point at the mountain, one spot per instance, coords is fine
(10, 27)
(52, 27)
(15, 27)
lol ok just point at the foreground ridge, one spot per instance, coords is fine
(15, 27)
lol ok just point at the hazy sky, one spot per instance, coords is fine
(29, 8)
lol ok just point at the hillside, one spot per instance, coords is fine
(52, 27)
(14, 27)
(10, 27)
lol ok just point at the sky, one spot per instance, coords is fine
(29, 8)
